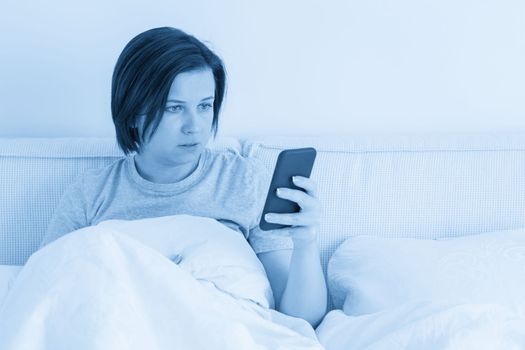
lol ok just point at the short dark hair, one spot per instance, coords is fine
(143, 76)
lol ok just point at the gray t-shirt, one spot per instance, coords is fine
(225, 186)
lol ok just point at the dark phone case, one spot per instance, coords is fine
(290, 162)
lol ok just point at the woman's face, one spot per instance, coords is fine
(187, 119)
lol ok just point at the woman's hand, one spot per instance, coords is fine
(306, 221)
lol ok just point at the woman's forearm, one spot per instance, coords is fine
(305, 294)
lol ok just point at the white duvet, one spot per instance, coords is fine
(113, 286)
(428, 326)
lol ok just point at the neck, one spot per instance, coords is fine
(158, 172)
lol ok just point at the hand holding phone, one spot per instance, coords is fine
(290, 162)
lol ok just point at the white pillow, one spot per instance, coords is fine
(368, 274)
(209, 250)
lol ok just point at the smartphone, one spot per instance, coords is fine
(290, 162)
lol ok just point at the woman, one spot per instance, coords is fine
(167, 91)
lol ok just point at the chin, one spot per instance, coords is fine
(187, 155)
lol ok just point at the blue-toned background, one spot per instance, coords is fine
(295, 67)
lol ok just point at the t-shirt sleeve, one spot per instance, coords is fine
(69, 215)
(264, 241)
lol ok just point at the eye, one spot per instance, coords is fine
(174, 109)
(205, 106)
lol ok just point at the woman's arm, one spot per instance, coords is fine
(297, 281)
(68, 215)
(296, 275)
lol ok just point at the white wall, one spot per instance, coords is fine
(295, 67)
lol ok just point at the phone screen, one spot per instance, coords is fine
(290, 162)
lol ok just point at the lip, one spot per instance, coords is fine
(189, 145)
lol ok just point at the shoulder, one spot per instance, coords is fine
(92, 178)
(251, 171)
(104, 172)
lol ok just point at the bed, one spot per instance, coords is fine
(387, 189)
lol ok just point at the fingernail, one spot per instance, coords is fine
(278, 191)
(268, 217)
(294, 178)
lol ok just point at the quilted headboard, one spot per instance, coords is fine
(426, 186)
(418, 186)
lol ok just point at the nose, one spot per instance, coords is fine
(191, 125)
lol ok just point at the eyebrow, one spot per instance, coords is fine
(179, 101)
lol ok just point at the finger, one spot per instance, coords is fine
(295, 219)
(307, 183)
(304, 200)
